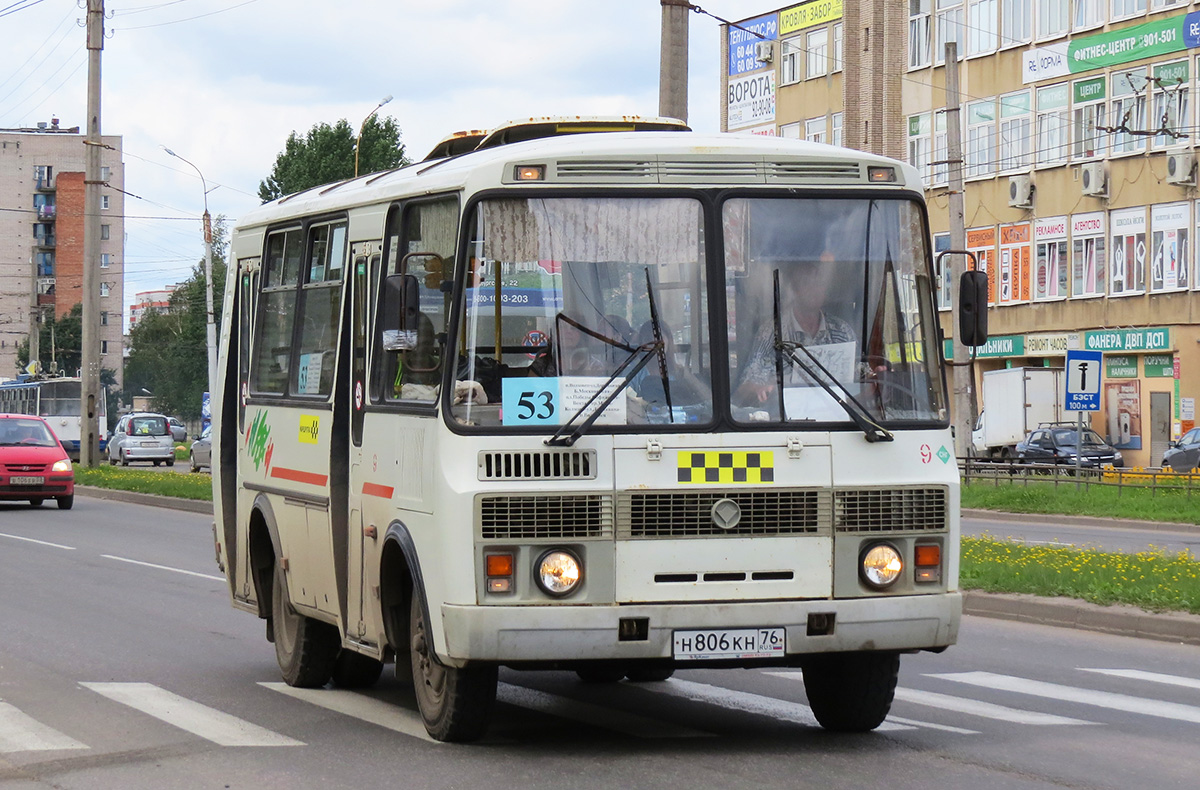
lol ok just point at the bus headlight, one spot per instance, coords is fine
(558, 572)
(881, 565)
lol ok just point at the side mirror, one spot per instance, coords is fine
(972, 308)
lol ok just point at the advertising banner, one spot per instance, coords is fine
(751, 100)
(741, 43)
(1123, 402)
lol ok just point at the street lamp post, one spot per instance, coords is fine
(363, 125)
(210, 325)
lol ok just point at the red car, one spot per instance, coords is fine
(33, 463)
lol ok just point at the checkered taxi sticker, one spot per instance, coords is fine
(716, 466)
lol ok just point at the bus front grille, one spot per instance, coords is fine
(890, 509)
(509, 517)
(670, 514)
(538, 465)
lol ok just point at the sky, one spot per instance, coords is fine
(224, 82)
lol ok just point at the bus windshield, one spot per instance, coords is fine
(828, 301)
(562, 292)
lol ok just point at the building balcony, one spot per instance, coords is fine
(44, 184)
(45, 212)
(48, 242)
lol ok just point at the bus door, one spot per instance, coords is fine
(243, 341)
(364, 273)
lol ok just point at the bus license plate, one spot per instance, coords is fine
(719, 644)
(26, 481)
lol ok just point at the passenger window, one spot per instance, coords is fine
(318, 310)
(277, 309)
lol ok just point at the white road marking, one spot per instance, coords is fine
(22, 733)
(201, 720)
(985, 710)
(358, 706)
(163, 567)
(586, 712)
(1101, 699)
(1153, 677)
(749, 703)
(39, 542)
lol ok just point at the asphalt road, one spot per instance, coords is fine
(1112, 535)
(122, 665)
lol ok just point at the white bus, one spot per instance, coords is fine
(58, 400)
(572, 402)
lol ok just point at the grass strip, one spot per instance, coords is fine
(1130, 501)
(146, 481)
(1153, 580)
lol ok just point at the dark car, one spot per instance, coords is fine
(33, 464)
(1056, 445)
(1184, 454)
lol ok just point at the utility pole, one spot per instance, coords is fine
(89, 442)
(962, 372)
(673, 60)
(35, 322)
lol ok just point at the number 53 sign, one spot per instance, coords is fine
(530, 401)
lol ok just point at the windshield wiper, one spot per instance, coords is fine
(786, 349)
(562, 438)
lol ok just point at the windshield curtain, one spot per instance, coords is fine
(558, 296)
(854, 291)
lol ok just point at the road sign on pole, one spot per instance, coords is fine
(1084, 372)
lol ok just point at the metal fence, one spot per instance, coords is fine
(978, 471)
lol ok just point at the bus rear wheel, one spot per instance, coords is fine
(306, 649)
(455, 702)
(851, 692)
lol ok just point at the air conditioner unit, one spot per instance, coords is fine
(1181, 169)
(764, 51)
(1095, 182)
(1020, 191)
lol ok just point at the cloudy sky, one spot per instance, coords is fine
(223, 83)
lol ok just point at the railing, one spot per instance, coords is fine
(978, 471)
(45, 212)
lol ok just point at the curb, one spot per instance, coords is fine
(152, 500)
(1119, 620)
(1081, 521)
(1060, 612)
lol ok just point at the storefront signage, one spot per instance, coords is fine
(1120, 366)
(1052, 344)
(1159, 37)
(751, 100)
(1157, 339)
(810, 14)
(742, 40)
(1159, 366)
(999, 346)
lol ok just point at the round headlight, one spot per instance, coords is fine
(558, 572)
(881, 565)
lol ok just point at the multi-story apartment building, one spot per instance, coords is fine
(41, 236)
(158, 299)
(1079, 135)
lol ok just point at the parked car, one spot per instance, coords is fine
(1055, 444)
(178, 429)
(33, 464)
(1184, 454)
(142, 437)
(201, 452)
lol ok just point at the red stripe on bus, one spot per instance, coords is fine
(299, 476)
(374, 489)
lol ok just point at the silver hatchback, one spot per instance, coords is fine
(142, 437)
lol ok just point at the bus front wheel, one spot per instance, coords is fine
(456, 702)
(305, 648)
(851, 692)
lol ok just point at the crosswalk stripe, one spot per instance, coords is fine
(201, 720)
(1101, 699)
(749, 703)
(1153, 677)
(21, 733)
(358, 706)
(985, 710)
(587, 713)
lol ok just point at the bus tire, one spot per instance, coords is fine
(851, 692)
(650, 674)
(66, 502)
(455, 702)
(305, 648)
(355, 671)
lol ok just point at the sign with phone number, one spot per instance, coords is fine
(552, 401)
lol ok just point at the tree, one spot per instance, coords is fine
(326, 154)
(168, 354)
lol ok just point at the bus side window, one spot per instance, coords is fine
(318, 310)
(277, 312)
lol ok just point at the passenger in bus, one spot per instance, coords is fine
(418, 369)
(803, 294)
(571, 352)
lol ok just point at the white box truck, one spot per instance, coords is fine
(1015, 401)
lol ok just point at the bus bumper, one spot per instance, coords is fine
(589, 633)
